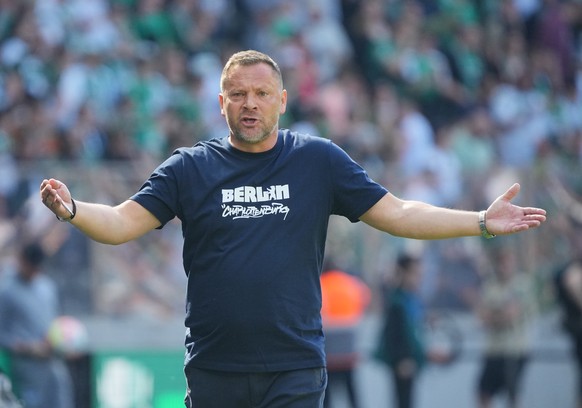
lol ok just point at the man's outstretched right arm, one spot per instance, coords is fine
(103, 223)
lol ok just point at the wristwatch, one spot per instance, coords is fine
(482, 220)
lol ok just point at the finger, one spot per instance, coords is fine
(47, 193)
(56, 184)
(535, 217)
(44, 195)
(534, 223)
(534, 211)
(525, 225)
(51, 199)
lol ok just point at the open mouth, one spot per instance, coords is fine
(249, 121)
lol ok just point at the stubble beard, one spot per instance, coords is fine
(254, 136)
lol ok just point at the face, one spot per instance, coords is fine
(27, 270)
(411, 279)
(252, 99)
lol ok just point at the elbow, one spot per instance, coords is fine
(106, 242)
(112, 240)
(115, 242)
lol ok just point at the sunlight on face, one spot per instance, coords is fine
(252, 101)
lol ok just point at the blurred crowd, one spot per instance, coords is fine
(446, 101)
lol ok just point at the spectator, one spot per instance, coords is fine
(568, 289)
(344, 301)
(401, 344)
(569, 293)
(28, 306)
(506, 309)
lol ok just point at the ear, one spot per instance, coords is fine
(283, 102)
(221, 103)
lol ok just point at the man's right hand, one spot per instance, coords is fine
(56, 197)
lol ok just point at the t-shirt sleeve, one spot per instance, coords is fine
(354, 192)
(159, 193)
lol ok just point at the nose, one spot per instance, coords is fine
(250, 102)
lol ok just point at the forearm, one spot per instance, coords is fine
(112, 225)
(422, 221)
(99, 222)
(413, 219)
(102, 223)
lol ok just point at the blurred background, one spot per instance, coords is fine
(445, 101)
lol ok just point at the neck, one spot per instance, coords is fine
(260, 147)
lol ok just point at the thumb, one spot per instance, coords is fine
(511, 192)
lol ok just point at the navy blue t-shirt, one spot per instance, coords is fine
(254, 227)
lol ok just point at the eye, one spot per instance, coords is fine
(263, 93)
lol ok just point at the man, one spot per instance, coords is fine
(345, 298)
(255, 208)
(402, 346)
(506, 308)
(28, 306)
(568, 289)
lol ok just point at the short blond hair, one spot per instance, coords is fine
(247, 58)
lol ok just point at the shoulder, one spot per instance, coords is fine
(8, 286)
(201, 148)
(185, 157)
(318, 146)
(303, 139)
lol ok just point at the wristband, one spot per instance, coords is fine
(72, 212)
(482, 220)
